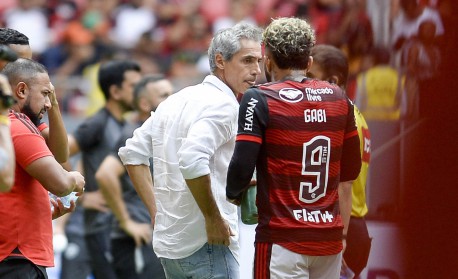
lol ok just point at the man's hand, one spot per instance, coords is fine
(79, 183)
(59, 209)
(140, 232)
(237, 202)
(218, 231)
(53, 97)
(94, 200)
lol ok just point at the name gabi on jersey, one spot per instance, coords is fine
(315, 115)
(249, 115)
(314, 94)
(313, 216)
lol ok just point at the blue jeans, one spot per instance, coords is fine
(209, 262)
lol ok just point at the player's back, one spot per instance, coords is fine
(304, 127)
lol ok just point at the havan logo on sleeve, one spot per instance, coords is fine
(249, 115)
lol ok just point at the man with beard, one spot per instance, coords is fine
(95, 138)
(25, 213)
(55, 134)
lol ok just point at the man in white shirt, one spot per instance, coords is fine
(192, 134)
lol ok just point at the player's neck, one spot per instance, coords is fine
(296, 75)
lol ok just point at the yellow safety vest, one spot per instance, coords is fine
(378, 93)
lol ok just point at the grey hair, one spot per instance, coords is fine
(227, 41)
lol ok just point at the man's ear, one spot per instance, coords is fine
(20, 90)
(268, 63)
(334, 79)
(114, 92)
(309, 63)
(219, 61)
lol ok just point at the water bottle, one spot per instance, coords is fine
(248, 208)
(66, 199)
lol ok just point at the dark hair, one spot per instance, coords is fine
(332, 61)
(10, 36)
(23, 69)
(141, 85)
(112, 73)
(289, 40)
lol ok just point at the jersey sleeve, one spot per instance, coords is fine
(253, 116)
(28, 146)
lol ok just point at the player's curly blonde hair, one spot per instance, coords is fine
(290, 41)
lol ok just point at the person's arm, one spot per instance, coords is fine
(241, 169)
(56, 134)
(107, 177)
(143, 184)
(218, 230)
(54, 177)
(345, 205)
(73, 146)
(7, 157)
(247, 146)
(135, 157)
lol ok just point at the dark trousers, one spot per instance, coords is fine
(21, 269)
(123, 250)
(358, 245)
(98, 246)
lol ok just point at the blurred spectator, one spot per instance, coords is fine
(421, 59)
(408, 21)
(379, 89)
(239, 10)
(268, 9)
(74, 52)
(28, 17)
(326, 17)
(378, 96)
(357, 39)
(214, 10)
(132, 19)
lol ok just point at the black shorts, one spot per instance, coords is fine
(358, 245)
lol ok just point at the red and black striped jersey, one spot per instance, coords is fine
(308, 144)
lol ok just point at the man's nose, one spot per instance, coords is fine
(48, 103)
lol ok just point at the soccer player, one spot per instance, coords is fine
(301, 136)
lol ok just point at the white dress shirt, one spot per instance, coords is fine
(190, 135)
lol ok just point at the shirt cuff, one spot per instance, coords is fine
(129, 157)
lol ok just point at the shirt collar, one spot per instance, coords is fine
(216, 82)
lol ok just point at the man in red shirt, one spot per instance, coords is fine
(25, 215)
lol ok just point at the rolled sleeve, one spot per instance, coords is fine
(138, 149)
